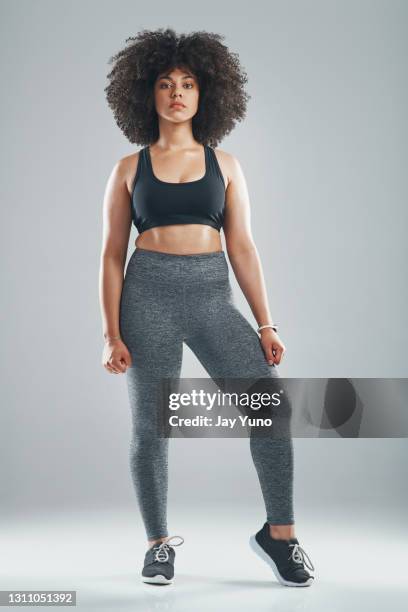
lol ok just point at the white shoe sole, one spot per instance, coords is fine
(258, 550)
(158, 579)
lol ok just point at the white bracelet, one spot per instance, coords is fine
(274, 327)
(108, 338)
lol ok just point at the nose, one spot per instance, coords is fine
(177, 92)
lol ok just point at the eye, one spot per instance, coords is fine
(165, 85)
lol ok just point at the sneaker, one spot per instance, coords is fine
(159, 563)
(286, 558)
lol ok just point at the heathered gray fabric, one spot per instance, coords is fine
(167, 300)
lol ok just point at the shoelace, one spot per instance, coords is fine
(299, 555)
(161, 551)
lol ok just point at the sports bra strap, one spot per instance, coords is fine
(213, 162)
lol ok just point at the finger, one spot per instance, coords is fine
(268, 354)
(112, 367)
(122, 365)
(127, 359)
(278, 354)
(116, 366)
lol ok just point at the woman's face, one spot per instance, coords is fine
(178, 85)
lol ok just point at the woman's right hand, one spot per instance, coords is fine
(116, 357)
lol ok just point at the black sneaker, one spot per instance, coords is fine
(286, 558)
(159, 563)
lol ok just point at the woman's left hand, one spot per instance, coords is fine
(272, 345)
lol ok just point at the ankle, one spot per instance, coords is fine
(151, 543)
(282, 532)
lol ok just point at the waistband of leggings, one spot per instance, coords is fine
(162, 256)
(173, 268)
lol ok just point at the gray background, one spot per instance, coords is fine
(324, 151)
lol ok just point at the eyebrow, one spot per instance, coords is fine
(167, 76)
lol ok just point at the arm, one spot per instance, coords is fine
(244, 258)
(115, 239)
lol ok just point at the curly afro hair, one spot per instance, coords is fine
(221, 79)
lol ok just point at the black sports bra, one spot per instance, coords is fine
(155, 202)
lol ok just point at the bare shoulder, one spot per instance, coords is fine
(229, 164)
(226, 158)
(126, 167)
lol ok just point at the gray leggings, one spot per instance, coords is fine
(167, 300)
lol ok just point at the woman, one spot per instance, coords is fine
(178, 96)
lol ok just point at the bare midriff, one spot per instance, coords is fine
(187, 239)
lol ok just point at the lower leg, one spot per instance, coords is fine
(273, 460)
(148, 454)
(149, 470)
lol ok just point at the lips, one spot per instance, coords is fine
(177, 105)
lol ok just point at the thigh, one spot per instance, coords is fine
(150, 327)
(221, 337)
(230, 350)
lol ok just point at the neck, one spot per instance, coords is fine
(175, 136)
